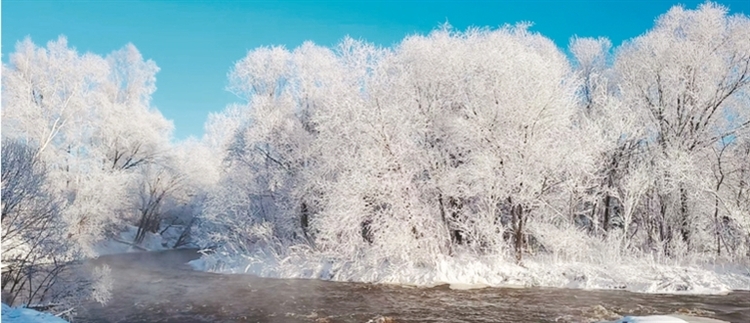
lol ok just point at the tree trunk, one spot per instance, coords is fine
(446, 224)
(718, 226)
(665, 230)
(304, 220)
(685, 221)
(518, 223)
(607, 207)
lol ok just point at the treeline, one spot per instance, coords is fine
(488, 142)
(494, 142)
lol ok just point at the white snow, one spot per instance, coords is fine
(463, 272)
(123, 243)
(667, 319)
(650, 319)
(25, 315)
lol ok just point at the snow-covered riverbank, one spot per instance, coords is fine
(667, 319)
(475, 272)
(123, 242)
(25, 315)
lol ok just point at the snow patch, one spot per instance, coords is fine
(667, 319)
(25, 315)
(460, 286)
(123, 243)
(650, 319)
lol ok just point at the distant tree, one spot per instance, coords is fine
(156, 186)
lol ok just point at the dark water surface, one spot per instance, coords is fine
(160, 287)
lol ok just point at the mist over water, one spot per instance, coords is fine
(160, 287)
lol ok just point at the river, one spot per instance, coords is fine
(161, 287)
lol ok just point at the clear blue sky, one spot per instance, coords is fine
(195, 43)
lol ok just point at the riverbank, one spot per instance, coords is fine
(123, 241)
(160, 287)
(642, 276)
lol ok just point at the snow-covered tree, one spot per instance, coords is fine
(688, 80)
(37, 252)
(92, 131)
(92, 121)
(444, 141)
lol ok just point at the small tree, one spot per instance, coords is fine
(156, 187)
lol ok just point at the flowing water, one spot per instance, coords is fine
(160, 287)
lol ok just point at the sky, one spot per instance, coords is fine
(195, 43)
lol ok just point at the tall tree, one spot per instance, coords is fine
(688, 78)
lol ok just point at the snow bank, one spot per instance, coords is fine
(463, 272)
(123, 243)
(667, 319)
(650, 319)
(25, 315)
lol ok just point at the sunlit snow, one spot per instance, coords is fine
(25, 315)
